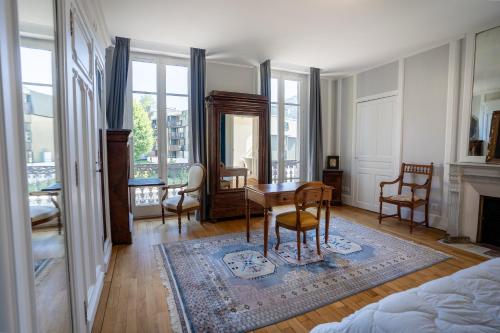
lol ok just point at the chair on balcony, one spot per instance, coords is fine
(410, 199)
(306, 196)
(188, 198)
(40, 214)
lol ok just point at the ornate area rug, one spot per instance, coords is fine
(42, 268)
(224, 284)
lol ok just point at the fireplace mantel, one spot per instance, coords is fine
(467, 183)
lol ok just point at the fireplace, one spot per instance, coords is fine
(488, 232)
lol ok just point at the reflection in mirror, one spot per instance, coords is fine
(239, 151)
(486, 89)
(39, 79)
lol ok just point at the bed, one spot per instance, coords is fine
(466, 301)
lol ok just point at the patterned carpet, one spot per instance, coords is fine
(42, 267)
(224, 284)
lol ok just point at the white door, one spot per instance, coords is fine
(375, 149)
(86, 205)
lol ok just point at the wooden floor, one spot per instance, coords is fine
(51, 287)
(134, 299)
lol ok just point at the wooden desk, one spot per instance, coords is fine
(270, 195)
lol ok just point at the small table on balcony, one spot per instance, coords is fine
(145, 182)
(270, 195)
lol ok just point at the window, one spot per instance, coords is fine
(176, 91)
(145, 119)
(161, 124)
(285, 125)
(38, 102)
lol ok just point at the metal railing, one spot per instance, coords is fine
(176, 174)
(291, 172)
(40, 175)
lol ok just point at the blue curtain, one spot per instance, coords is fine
(265, 90)
(315, 131)
(118, 83)
(198, 117)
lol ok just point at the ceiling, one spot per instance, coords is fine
(338, 36)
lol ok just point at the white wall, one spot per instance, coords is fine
(425, 99)
(232, 78)
(377, 80)
(424, 117)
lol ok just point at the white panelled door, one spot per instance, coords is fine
(375, 150)
(86, 203)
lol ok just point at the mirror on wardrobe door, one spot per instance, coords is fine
(485, 90)
(43, 157)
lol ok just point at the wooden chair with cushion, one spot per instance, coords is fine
(40, 214)
(306, 196)
(188, 198)
(410, 199)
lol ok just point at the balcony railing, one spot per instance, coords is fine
(176, 147)
(176, 174)
(40, 175)
(175, 135)
(175, 123)
(292, 171)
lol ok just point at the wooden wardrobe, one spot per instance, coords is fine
(237, 148)
(119, 195)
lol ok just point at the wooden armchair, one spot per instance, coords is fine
(188, 198)
(40, 214)
(410, 200)
(306, 196)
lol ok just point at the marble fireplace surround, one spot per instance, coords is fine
(467, 183)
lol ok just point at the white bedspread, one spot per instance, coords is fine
(467, 301)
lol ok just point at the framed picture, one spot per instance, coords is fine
(332, 162)
(494, 145)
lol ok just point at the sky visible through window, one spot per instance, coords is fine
(36, 66)
(145, 80)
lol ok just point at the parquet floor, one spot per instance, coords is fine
(134, 299)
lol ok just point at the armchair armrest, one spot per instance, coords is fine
(188, 190)
(167, 187)
(382, 184)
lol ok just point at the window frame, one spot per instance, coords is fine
(281, 77)
(161, 62)
(46, 44)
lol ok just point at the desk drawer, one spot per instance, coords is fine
(279, 199)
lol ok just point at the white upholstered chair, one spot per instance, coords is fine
(188, 198)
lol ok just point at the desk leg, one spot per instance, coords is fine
(266, 230)
(247, 214)
(327, 221)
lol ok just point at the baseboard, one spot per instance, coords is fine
(95, 295)
(435, 220)
(108, 249)
(347, 199)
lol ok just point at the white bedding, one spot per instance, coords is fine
(467, 301)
